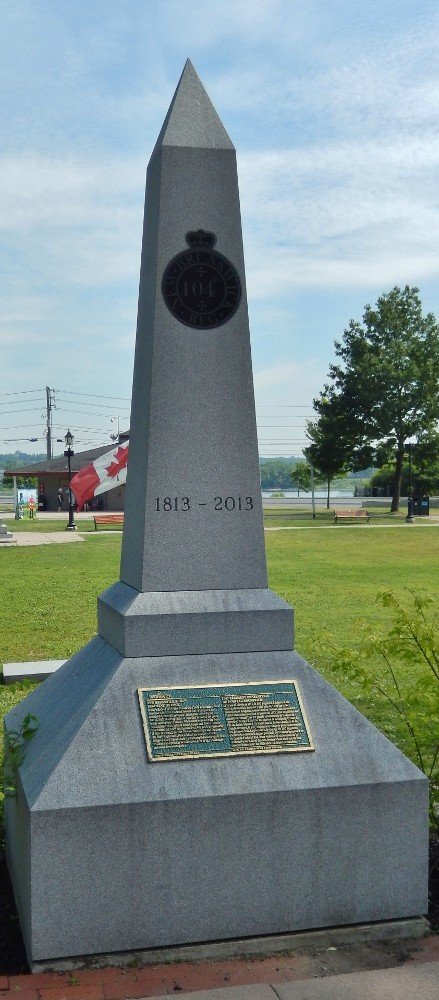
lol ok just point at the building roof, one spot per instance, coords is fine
(58, 466)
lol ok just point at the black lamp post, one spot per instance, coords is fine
(68, 455)
(410, 519)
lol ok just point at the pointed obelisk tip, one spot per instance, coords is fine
(192, 119)
(188, 65)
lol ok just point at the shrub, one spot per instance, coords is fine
(408, 648)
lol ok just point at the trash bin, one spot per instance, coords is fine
(421, 506)
(425, 506)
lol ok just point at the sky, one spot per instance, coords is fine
(333, 107)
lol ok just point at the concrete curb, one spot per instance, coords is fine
(412, 929)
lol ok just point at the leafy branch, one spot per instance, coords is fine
(16, 743)
(409, 650)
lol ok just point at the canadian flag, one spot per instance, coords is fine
(101, 475)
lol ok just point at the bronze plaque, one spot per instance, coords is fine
(223, 720)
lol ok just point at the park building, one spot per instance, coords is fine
(52, 476)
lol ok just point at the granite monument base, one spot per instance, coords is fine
(109, 852)
(6, 536)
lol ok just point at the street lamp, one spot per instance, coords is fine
(410, 519)
(115, 437)
(68, 455)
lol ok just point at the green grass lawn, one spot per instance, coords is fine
(332, 577)
(39, 524)
(34, 525)
(48, 593)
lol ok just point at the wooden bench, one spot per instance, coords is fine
(352, 515)
(107, 519)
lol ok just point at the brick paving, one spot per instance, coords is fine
(115, 983)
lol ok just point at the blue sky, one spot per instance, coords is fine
(333, 106)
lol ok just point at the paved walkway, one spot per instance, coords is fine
(333, 973)
(45, 537)
(430, 522)
(57, 537)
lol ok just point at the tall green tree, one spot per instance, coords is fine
(384, 392)
(425, 465)
(329, 451)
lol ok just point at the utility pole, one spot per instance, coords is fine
(49, 404)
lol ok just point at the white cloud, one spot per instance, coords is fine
(341, 214)
(62, 191)
(333, 109)
(77, 223)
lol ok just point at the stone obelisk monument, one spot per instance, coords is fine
(192, 778)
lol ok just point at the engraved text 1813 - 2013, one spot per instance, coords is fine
(182, 503)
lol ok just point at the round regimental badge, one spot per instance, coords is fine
(201, 288)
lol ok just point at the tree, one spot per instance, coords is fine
(382, 480)
(419, 477)
(301, 477)
(385, 391)
(26, 481)
(328, 452)
(425, 465)
(275, 473)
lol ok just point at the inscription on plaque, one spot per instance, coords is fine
(223, 720)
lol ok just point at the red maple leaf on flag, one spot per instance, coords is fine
(119, 462)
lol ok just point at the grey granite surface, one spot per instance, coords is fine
(193, 426)
(108, 851)
(166, 853)
(207, 621)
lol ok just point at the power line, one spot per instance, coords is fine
(85, 413)
(89, 430)
(16, 427)
(21, 392)
(96, 395)
(27, 410)
(284, 406)
(97, 405)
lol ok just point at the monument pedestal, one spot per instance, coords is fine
(110, 849)
(124, 855)
(174, 623)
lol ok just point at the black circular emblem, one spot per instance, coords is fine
(201, 288)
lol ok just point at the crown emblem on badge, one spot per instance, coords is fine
(200, 240)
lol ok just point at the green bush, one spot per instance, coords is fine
(408, 647)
